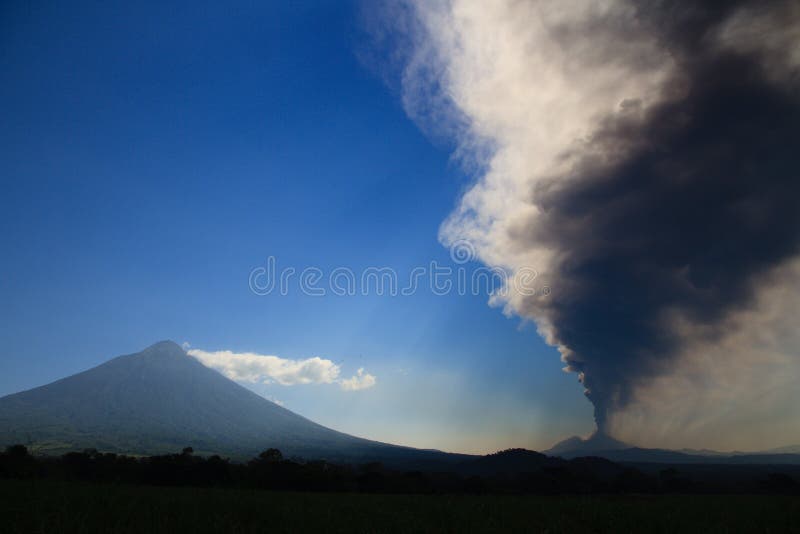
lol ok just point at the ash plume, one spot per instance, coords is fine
(643, 156)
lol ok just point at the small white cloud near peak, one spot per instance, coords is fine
(362, 380)
(267, 369)
(276, 401)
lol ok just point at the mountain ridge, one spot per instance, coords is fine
(604, 446)
(161, 400)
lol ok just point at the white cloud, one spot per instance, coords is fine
(361, 381)
(276, 401)
(267, 369)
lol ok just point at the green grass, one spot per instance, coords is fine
(53, 507)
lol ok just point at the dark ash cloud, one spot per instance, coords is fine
(687, 223)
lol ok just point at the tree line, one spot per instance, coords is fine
(271, 471)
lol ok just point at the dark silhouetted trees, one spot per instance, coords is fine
(514, 471)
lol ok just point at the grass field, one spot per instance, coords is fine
(52, 507)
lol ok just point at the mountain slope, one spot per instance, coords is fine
(162, 399)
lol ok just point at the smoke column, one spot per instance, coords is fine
(643, 157)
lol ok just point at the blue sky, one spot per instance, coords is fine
(151, 156)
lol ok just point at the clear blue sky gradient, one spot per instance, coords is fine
(151, 155)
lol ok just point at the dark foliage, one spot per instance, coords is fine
(512, 472)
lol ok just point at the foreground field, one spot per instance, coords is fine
(52, 507)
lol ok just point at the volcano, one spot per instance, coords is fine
(598, 444)
(161, 400)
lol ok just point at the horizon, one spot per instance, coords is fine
(596, 441)
(393, 222)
